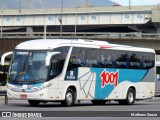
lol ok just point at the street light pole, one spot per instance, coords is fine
(20, 5)
(76, 19)
(1, 22)
(61, 20)
(86, 3)
(129, 4)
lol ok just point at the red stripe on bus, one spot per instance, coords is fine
(105, 47)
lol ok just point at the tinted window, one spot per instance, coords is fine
(135, 60)
(121, 59)
(106, 58)
(57, 61)
(147, 60)
(77, 58)
(92, 57)
(84, 57)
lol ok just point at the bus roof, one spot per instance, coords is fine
(52, 43)
(46, 44)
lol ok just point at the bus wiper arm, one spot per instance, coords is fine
(21, 71)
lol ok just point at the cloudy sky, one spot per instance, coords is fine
(137, 2)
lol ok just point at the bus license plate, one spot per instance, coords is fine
(23, 95)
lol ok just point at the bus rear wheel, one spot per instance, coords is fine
(33, 102)
(69, 98)
(130, 98)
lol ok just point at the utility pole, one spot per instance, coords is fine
(86, 3)
(129, 4)
(20, 6)
(76, 18)
(1, 22)
(61, 20)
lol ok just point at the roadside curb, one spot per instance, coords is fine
(2, 97)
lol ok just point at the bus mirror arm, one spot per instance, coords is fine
(49, 56)
(4, 56)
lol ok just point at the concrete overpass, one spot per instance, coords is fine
(138, 18)
(79, 17)
(18, 26)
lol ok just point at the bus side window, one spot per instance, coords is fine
(91, 63)
(106, 58)
(134, 60)
(147, 60)
(57, 61)
(77, 58)
(122, 59)
(92, 57)
(54, 68)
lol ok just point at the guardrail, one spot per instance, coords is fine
(84, 35)
(4, 93)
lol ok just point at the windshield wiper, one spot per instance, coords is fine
(21, 71)
(25, 70)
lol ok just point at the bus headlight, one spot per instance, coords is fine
(43, 86)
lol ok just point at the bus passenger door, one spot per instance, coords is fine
(56, 72)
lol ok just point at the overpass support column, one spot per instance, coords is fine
(158, 31)
(29, 31)
(158, 57)
(156, 18)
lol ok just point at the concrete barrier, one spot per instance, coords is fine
(3, 92)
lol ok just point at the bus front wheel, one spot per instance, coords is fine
(130, 98)
(33, 102)
(69, 98)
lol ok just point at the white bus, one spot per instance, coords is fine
(66, 71)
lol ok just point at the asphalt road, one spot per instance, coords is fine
(141, 109)
(23, 105)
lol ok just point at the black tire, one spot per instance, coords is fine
(130, 98)
(98, 102)
(34, 103)
(69, 98)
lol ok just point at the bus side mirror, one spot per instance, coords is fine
(49, 56)
(4, 56)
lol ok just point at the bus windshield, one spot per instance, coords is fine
(28, 67)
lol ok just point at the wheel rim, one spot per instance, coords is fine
(130, 97)
(69, 97)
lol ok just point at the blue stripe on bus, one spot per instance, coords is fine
(29, 86)
(131, 75)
